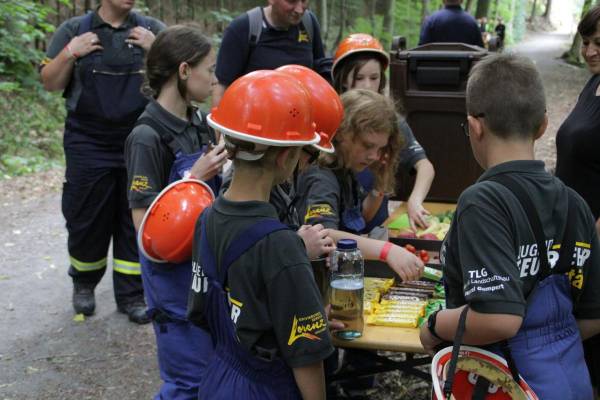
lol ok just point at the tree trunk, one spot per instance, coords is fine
(483, 7)
(533, 10)
(324, 20)
(342, 15)
(372, 5)
(424, 10)
(468, 5)
(573, 56)
(388, 24)
(548, 8)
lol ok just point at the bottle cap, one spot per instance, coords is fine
(346, 244)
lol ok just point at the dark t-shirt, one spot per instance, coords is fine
(323, 195)
(149, 159)
(276, 47)
(281, 197)
(578, 147)
(490, 257)
(272, 290)
(450, 24)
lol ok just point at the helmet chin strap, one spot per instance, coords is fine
(236, 151)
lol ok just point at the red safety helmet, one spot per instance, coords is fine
(360, 43)
(473, 362)
(266, 107)
(326, 104)
(168, 226)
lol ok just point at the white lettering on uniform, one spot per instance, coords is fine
(581, 255)
(235, 313)
(199, 280)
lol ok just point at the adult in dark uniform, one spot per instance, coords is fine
(97, 61)
(451, 24)
(541, 302)
(283, 39)
(253, 285)
(577, 144)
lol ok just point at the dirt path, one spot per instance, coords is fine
(44, 354)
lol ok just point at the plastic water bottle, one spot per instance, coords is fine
(347, 288)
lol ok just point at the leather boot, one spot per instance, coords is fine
(136, 310)
(84, 301)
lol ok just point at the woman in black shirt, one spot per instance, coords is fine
(577, 144)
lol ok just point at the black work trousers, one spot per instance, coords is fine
(94, 204)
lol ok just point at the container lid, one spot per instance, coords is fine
(346, 244)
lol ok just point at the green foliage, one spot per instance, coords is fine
(31, 133)
(22, 23)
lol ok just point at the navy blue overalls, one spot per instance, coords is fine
(367, 181)
(547, 349)
(183, 348)
(102, 109)
(233, 372)
(351, 219)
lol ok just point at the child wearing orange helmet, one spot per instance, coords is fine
(253, 286)
(360, 62)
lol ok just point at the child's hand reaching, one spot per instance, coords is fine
(210, 163)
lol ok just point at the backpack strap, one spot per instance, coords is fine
(85, 24)
(307, 22)
(255, 19)
(141, 20)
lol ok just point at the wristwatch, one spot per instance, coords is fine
(431, 324)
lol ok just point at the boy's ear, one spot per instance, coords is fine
(475, 127)
(542, 128)
(184, 71)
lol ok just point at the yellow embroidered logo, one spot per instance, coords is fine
(302, 36)
(140, 184)
(307, 327)
(318, 210)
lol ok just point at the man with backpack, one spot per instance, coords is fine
(97, 61)
(282, 33)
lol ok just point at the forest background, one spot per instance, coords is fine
(31, 119)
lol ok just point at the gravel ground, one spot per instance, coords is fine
(44, 354)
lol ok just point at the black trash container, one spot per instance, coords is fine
(430, 81)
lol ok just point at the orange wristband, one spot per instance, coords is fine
(384, 251)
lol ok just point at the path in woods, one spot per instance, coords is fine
(44, 354)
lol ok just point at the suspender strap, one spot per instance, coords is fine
(246, 240)
(534, 219)
(460, 330)
(165, 134)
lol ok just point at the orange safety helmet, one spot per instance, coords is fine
(168, 226)
(360, 43)
(473, 362)
(327, 107)
(266, 107)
